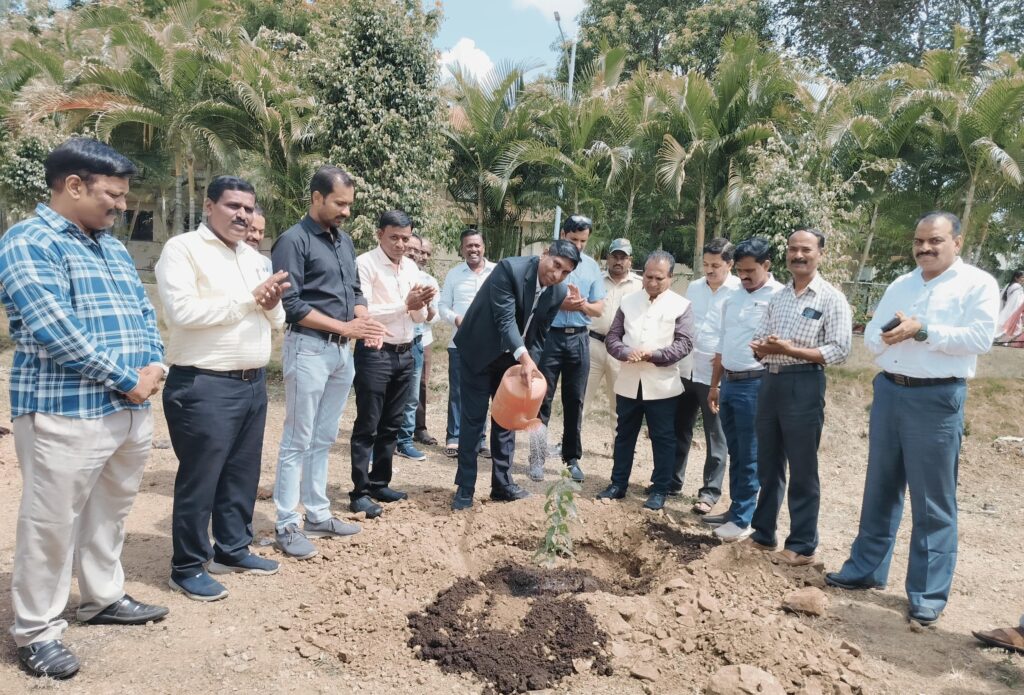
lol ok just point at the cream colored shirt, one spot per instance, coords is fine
(206, 291)
(614, 292)
(385, 285)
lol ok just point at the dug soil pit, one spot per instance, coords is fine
(686, 546)
(518, 628)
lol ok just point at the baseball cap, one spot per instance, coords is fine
(621, 245)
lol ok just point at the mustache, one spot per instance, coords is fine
(925, 253)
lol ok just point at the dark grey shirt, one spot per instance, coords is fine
(322, 270)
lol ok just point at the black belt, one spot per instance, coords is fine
(317, 333)
(243, 374)
(569, 330)
(400, 347)
(912, 381)
(744, 376)
(784, 368)
(597, 336)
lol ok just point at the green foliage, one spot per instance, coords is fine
(560, 509)
(22, 179)
(374, 74)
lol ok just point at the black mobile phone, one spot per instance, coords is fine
(895, 321)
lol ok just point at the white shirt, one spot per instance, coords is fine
(206, 289)
(460, 287)
(959, 309)
(740, 315)
(386, 285)
(1014, 298)
(707, 314)
(424, 329)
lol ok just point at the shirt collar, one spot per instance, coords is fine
(58, 223)
(383, 259)
(208, 235)
(950, 271)
(312, 226)
(815, 285)
(630, 276)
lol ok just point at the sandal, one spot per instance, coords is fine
(451, 451)
(1010, 638)
(701, 507)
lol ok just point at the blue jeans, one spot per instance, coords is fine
(317, 379)
(914, 442)
(451, 435)
(737, 413)
(409, 416)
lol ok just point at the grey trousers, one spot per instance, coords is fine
(694, 400)
(80, 478)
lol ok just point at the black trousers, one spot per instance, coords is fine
(421, 409)
(383, 385)
(661, 417)
(567, 356)
(476, 390)
(216, 425)
(790, 417)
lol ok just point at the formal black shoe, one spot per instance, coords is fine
(365, 504)
(386, 494)
(484, 452)
(423, 438)
(463, 499)
(509, 494)
(612, 492)
(128, 611)
(49, 659)
(672, 491)
(833, 579)
(656, 501)
(575, 472)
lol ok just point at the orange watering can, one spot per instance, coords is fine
(514, 406)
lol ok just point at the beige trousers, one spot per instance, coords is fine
(80, 477)
(603, 369)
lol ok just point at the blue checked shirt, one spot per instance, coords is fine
(79, 317)
(590, 282)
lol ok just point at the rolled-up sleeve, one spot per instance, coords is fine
(838, 332)
(682, 341)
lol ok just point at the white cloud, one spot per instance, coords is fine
(568, 9)
(472, 59)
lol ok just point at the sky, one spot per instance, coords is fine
(479, 34)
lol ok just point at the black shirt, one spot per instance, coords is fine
(322, 270)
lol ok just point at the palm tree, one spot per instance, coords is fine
(711, 122)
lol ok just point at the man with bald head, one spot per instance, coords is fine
(926, 335)
(806, 326)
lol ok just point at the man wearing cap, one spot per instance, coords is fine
(619, 280)
(567, 350)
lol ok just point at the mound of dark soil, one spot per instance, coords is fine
(554, 630)
(686, 546)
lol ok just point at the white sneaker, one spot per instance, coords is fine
(730, 532)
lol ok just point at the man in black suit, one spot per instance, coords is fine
(506, 324)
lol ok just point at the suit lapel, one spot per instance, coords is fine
(529, 291)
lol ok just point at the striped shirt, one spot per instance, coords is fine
(819, 317)
(79, 317)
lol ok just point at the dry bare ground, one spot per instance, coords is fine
(665, 623)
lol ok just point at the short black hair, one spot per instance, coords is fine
(661, 256)
(227, 183)
(258, 210)
(469, 231)
(417, 235)
(394, 218)
(720, 247)
(85, 158)
(811, 230)
(576, 223)
(327, 177)
(755, 247)
(1018, 274)
(565, 249)
(936, 215)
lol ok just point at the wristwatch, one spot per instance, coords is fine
(921, 335)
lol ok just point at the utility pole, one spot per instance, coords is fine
(572, 74)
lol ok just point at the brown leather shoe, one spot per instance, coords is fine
(794, 559)
(1010, 638)
(749, 542)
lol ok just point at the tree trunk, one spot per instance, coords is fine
(191, 193)
(629, 213)
(965, 223)
(866, 253)
(698, 242)
(976, 254)
(480, 206)
(179, 209)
